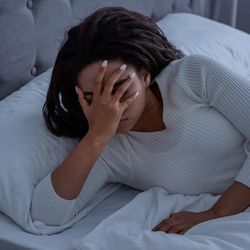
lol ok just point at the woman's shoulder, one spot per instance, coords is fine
(194, 60)
(185, 68)
(185, 65)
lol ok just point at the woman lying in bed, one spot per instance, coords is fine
(145, 115)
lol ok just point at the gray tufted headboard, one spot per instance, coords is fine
(31, 31)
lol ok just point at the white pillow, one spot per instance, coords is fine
(195, 34)
(28, 151)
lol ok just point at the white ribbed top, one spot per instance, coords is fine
(204, 148)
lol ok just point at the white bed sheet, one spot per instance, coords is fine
(13, 237)
(131, 226)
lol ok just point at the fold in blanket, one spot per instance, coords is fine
(131, 226)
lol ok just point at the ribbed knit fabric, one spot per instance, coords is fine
(204, 148)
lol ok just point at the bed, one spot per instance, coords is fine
(31, 34)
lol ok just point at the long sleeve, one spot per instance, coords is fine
(224, 90)
(49, 208)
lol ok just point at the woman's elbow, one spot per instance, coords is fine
(47, 217)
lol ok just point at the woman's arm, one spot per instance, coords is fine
(224, 90)
(69, 177)
(56, 197)
(229, 93)
(233, 201)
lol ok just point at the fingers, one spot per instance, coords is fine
(100, 76)
(165, 227)
(184, 231)
(156, 228)
(171, 226)
(122, 89)
(81, 98)
(108, 88)
(127, 102)
(175, 229)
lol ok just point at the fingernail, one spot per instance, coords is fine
(132, 75)
(104, 63)
(76, 89)
(123, 67)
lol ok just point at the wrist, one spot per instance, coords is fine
(208, 215)
(219, 212)
(97, 139)
(214, 214)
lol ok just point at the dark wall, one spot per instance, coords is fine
(243, 15)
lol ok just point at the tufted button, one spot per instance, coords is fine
(33, 71)
(29, 4)
(247, 146)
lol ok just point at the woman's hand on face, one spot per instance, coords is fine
(105, 111)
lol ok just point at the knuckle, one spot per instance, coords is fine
(116, 107)
(115, 111)
(110, 106)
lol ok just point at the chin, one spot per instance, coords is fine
(122, 131)
(125, 127)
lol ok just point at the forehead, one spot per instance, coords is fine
(86, 77)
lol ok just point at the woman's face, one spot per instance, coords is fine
(133, 113)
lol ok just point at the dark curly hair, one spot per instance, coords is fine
(108, 33)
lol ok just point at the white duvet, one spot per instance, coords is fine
(130, 228)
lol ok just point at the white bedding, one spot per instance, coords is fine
(13, 237)
(194, 35)
(131, 226)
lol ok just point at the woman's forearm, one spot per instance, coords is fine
(233, 201)
(68, 178)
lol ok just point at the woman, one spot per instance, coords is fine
(145, 115)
